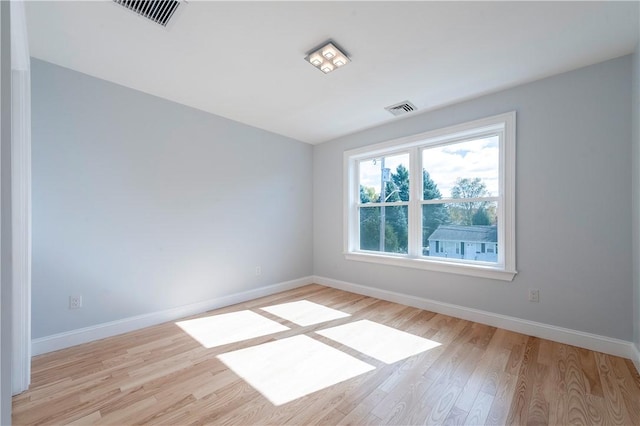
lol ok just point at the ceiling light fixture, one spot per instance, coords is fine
(328, 57)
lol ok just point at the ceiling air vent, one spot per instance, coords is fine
(158, 11)
(401, 108)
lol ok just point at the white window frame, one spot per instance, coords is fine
(503, 125)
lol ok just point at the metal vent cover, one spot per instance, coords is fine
(401, 108)
(158, 11)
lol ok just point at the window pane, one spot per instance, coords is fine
(394, 233)
(460, 231)
(387, 176)
(461, 170)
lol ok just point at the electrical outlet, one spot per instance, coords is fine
(75, 302)
(534, 295)
(258, 270)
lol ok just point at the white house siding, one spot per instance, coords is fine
(472, 250)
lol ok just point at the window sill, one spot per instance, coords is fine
(482, 271)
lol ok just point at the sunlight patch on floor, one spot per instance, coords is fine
(287, 369)
(234, 327)
(378, 341)
(305, 313)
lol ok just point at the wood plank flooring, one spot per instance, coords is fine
(477, 375)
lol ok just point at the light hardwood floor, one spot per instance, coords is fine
(478, 375)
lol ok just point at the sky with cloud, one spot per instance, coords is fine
(469, 159)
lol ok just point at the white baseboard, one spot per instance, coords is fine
(636, 358)
(563, 335)
(67, 339)
(581, 339)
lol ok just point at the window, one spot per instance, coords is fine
(383, 203)
(417, 201)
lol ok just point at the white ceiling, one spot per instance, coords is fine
(244, 60)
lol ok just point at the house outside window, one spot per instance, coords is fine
(471, 240)
(441, 200)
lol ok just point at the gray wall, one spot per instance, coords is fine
(5, 225)
(636, 195)
(140, 204)
(572, 200)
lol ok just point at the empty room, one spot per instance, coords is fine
(323, 212)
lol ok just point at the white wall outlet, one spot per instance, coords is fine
(534, 295)
(75, 302)
(258, 270)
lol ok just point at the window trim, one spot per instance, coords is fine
(502, 123)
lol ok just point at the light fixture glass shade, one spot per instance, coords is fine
(316, 60)
(326, 68)
(329, 53)
(327, 57)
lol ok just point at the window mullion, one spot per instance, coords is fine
(415, 216)
(461, 200)
(353, 211)
(387, 204)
